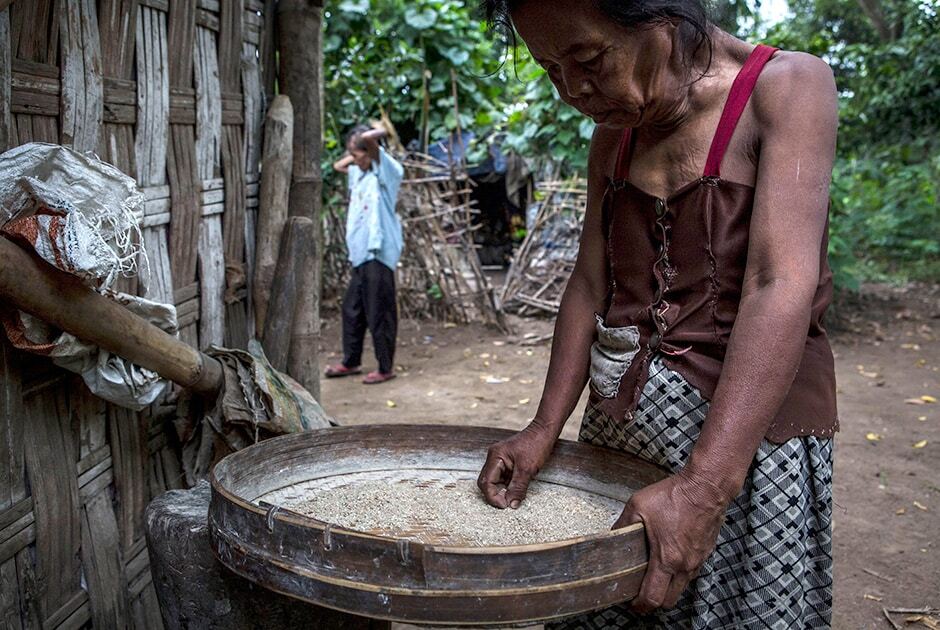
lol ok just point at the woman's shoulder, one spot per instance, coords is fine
(605, 145)
(793, 83)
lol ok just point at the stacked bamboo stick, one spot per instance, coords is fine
(543, 263)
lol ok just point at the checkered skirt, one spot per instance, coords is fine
(772, 567)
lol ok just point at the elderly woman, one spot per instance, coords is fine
(695, 308)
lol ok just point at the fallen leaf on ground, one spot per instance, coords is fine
(495, 380)
(499, 343)
(485, 355)
(928, 399)
(900, 511)
(910, 346)
(474, 405)
(922, 418)
(486, 364)
(873, 598)
(523, 401)
(915, 401)
(526, 381)
(529, 353)
(390, 403)
(430, 393)
(872, 437)
(868, 374)
(920, 444)
(450, 325)
(920, 506)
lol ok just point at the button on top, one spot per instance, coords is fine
(660, 208)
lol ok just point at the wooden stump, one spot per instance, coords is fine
(274, 199)
(196, 591)
(292, 263)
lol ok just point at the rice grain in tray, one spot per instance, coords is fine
(453, 512)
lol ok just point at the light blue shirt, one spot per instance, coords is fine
(373, 229)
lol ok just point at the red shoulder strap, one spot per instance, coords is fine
(624, 153)
(737, 99)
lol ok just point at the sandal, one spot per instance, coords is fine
(337, 370)
(374, 378)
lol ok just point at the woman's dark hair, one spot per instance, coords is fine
(354, 136)
(692, 18)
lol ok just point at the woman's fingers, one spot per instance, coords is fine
(678, 584)
(492, 481)
(518, 485)
(655, 585)
(628, 517)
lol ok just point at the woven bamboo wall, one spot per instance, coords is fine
(171, 92)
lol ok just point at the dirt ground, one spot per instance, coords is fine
(887, 456)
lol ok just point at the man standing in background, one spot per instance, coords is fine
(374, 242)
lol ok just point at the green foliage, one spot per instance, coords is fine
(387, 54)
(395, 55)
(885, 213)
(375, 52)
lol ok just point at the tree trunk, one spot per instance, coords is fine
(301, 78)
(274, 199)
(872, 9)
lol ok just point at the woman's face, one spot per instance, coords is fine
(360, 156)
(616, 76)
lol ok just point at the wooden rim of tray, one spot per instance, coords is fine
(388, 578)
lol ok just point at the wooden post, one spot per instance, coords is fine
(292, 263)
(301, 78)
(273, 202)
(6, 77)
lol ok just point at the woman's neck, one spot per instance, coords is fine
(698, 86)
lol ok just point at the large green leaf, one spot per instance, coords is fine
(354, 6)
(420, 18)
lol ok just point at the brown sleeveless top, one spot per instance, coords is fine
(676, 272)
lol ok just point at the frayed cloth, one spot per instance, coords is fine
(78, 213)
(257, 402)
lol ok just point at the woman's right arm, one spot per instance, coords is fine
(511, 464)
(342, 165)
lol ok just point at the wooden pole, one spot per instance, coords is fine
(292, 263)
(30, 284)
(274, 199)
(301, 78)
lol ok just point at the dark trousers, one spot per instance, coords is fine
(370, 302)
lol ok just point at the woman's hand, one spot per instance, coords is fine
(513, 463)
(682, 515)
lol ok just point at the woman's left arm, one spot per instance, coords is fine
(797, 114)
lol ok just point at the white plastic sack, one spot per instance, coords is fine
(108, 376)
(78, 214)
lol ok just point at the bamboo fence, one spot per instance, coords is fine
(544, 261)
(172, 93)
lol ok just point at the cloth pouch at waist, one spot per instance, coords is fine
(611, 356)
